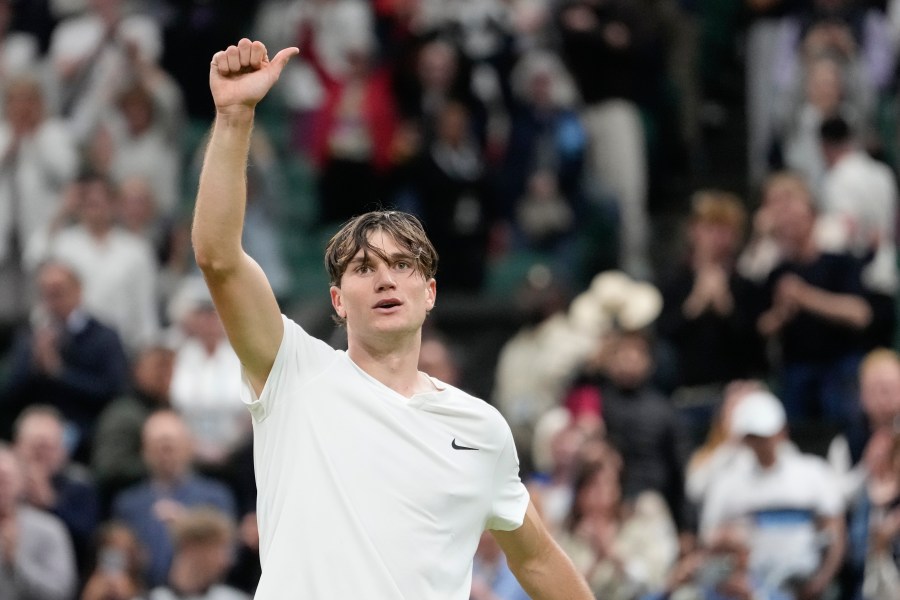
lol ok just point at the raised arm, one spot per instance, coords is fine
(239, 78)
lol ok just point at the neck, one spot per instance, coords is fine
(396, 365)
(169, 480)
(186, 579)
(99, 231)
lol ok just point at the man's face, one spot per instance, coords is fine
(880, 393)
(98, 207)
(630, 363)
(764, 447)
(153, 372)
(24, 107)
(39, 442)
(60, 292)
(383, 297)
(794, 225)
(167, 447)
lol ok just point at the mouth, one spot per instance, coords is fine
(387, 303)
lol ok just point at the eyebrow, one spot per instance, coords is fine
(366, 257)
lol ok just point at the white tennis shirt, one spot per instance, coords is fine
(365, 494)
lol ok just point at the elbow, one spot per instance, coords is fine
(214, 260)
(862, 316)
(213, 267)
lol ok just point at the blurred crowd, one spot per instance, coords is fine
(715, 416)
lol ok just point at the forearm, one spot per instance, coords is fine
(846, 309)
(222, 195)
(834, 554)
(552, 576)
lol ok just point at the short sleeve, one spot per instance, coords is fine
(510, 498)
(830, 500)
(299, 358)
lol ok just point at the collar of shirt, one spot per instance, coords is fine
(77, 321)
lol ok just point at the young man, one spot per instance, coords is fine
(375, 480)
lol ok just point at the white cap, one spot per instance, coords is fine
(758, 413)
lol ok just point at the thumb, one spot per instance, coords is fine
(282, 58)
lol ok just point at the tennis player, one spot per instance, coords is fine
(375, 480)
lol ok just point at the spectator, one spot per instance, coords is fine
(52, 483)
(814, 306)
(67, 358)
(206, 380)
(204, 542)
(641, 423)
(827, 93)
(38, 158)
(170, 488)
(545, 132)
(722, 448)
(117, 268)
(19, 50)
(707, 315)
(870, 482)
(856, 33)
(556, 447)
(456, 204)
(879, 394)
(720, 570)
(882, 566)
(438, 359)
(144, 147)
(437, 76)
(116, 458)
(36, 558)
(859, 198)
(167, 235)
(92, 54)
(792, 501)
(354, 128)
(762, 253)
(624, 547)
(542, 190)
(117, 574)
(606, 45)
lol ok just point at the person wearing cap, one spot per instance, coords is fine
(790, 500)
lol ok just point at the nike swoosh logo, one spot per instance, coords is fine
(456, 446)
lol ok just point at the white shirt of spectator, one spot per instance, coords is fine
(118, 277)
(781, 505)
(47, 161)
(860, 194)
(206, 390)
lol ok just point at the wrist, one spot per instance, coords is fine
(235, 116)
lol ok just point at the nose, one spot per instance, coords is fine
(384, 279)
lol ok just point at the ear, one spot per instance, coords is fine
(337, 302)
(431, 292)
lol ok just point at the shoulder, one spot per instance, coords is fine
(226, 592)
(39, 524)
(102, 334)
(131, 498)
(130, 242)
(208, 485)
(811, 464)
